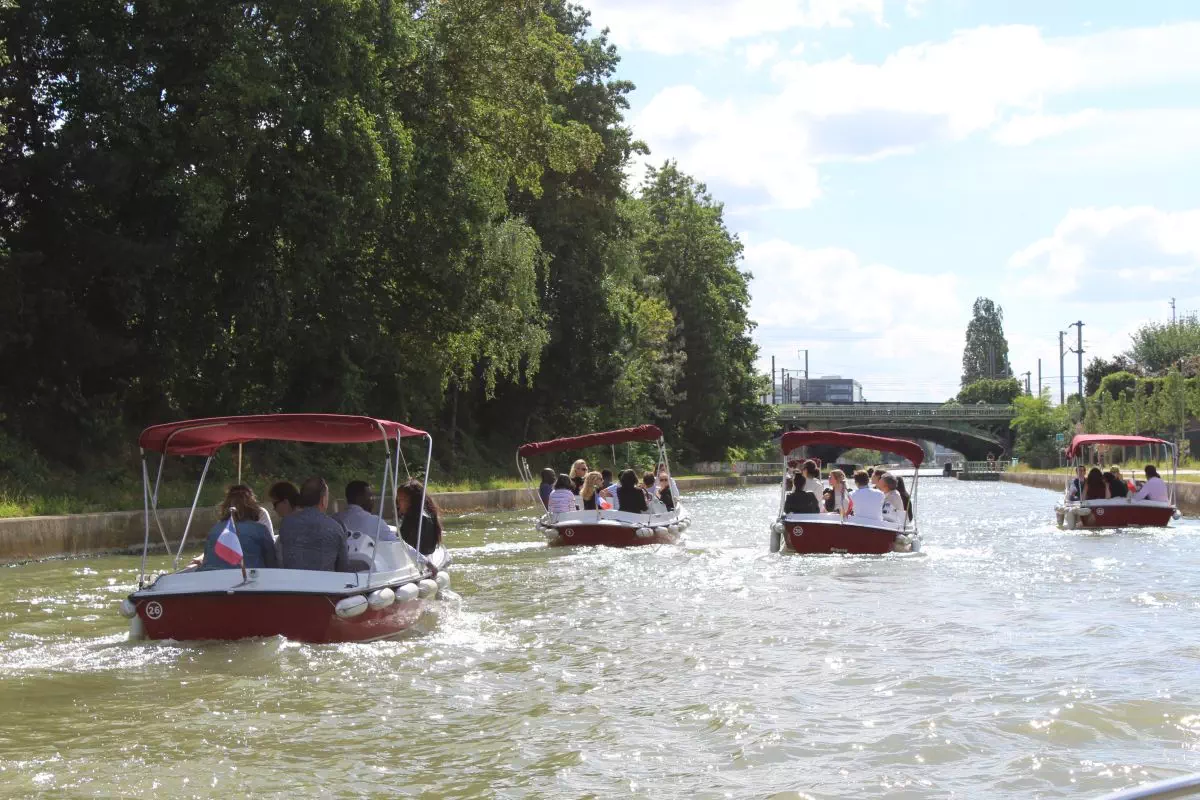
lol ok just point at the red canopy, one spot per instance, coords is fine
(642, 433)
(902, 447)
(203, 437)
(1087, 439)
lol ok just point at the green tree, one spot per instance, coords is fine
(986, 352)
(985, 390)
(1158, 346)
(1099, 368)
(1037, 422)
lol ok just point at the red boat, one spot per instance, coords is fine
(384, 596)
(1116, 512)
(830, 532)
(611, 527)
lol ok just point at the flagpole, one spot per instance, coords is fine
(233, 522)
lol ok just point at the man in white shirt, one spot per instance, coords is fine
(867, 500)
(1153, 489)
(358, 516)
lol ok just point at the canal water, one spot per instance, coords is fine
(1008, 660)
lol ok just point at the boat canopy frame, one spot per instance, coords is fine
(1082, 443)
(207, 436)
(794, 440)
(642, 433)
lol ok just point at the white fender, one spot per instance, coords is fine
(127, 609)
(776, 537)
(427, 588)
(644, 532)
(137, 629)
(407, 592)
(443, 580)
(351, 606)
(660, 531)
(381, 598)
(674, 529)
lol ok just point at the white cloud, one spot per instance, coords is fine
(1028, 128)
(1114, 255)
(759, 53)
(678, 26)
(996, 79)
(898, 333)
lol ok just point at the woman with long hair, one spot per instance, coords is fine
(903, 490)
(258, 547)
(1095, 488)
(593, 482)
(408, 505)
(579, 471)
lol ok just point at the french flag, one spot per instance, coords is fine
(229, 546)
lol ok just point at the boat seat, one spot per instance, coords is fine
(361, 549)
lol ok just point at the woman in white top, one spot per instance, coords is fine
(562, 499)
(841, 495)
(893, 503)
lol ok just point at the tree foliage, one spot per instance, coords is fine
(1099, 368)
(1159, 346)
(986, 352)
(985, 390)
(1037, 422)
(413, 209)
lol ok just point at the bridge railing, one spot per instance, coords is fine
(981, 466)
(738, 467)
(900, 411)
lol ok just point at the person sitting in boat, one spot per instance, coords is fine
(609, 492)
(1095, 487)
(562, 499)
(805, 494)
(579, 471)
(1075, 488)
(840, 493)
(866, 500)
(893, 509)
(285, 497)
(428, 519)
(662, 471)
(547, 486)
(666, 491)
(903, 490)
(310, 540)
(1116, 486)
(631, 498)
(593, 484)
(358, 517)
(258, 547)
(1153, 489)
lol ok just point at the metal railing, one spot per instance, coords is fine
(981, 466)
(903, 412)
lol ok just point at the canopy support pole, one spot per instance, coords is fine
(162, 460)
(424, 489)
(192, 513)
(146, 512)
(239, 480)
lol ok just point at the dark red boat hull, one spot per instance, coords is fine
(835, 537)
(1127, 516)
(609, 536)
(301, 617)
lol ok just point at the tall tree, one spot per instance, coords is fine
(1159, 346)
(986, 352)
(1098, 369)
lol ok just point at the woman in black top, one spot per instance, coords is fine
(664, 491)
(1116, 486)
(630, 496)
(408, 503)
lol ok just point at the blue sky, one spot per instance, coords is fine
(885, 162)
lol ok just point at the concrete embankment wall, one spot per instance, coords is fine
(1188, 495)
(28, 538)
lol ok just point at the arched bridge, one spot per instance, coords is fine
(973, 430)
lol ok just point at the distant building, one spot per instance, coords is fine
(826, 389)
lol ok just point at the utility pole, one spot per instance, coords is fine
(1028, 391)
(1078, 351)
(774, 400)
(783, 391)
(1039, 394)
(806, 375)
(1062, 378)
(1172, 310)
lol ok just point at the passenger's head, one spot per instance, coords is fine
(591, 483)
(359, 493)
(1151, 471)
(240, 501)
(810, 469)
(648, 479)
(314, 493)
(579, 469)
(409, 496)
(662, 470)
(887, 482)
(607, 475)
(563, 481)
(837, 477)
(285, 497)
(877, 479)
(861, 478)
(1115, 470)
(1080, 471)
(548, 475)
(628, 479)
(1095, 479)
